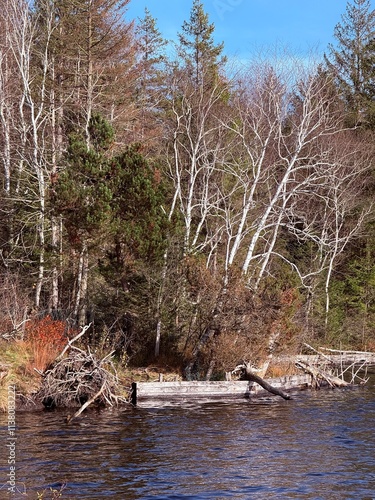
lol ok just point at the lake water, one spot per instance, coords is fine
(320, 445)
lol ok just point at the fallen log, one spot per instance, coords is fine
(319, 375)
(248, 374)
(155, 393)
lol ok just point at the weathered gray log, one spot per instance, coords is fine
(156, 392)
(318, 374)
(332, 357)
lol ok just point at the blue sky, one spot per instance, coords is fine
(246, 26)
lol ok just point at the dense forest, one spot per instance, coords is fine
(188, 210)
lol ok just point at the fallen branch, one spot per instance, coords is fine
(248, 374)
(340, 351)
(70, 342)
(318, 352)
(69, 418)
(355, 375)
(319, 375)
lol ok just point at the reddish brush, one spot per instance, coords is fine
(45, 338)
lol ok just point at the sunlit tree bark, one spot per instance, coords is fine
(34, 114)
(287, 131)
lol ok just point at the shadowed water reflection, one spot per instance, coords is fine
(320, 445)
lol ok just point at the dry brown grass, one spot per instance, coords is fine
(150, 373)
(15, 357)
(282, 369)
(40, 356)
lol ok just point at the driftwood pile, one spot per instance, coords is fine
(77, 379)
(332, 371)
(325, 369)
(318, 376)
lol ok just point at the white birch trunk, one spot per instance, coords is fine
(5, 118)
(264, 219)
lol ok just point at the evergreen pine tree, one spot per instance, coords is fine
(150, 87)
(150, 42)
(197, 47)
(350, 61)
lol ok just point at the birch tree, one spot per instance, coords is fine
(33, 118)
(287, 130)
(6, 98)
(198, 91)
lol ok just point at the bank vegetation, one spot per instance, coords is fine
(195, 214)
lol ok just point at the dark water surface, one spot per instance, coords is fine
(320, 445)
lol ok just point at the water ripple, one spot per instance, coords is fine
(320, 445)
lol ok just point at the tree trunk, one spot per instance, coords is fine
(82, 281)
(248, 374)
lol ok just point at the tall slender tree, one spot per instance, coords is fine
(150, 47)
(197, 96)
(350, 60)
(150, 86)
(197, 47)
(90, 54)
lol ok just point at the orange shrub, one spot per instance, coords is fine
(45, 337)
